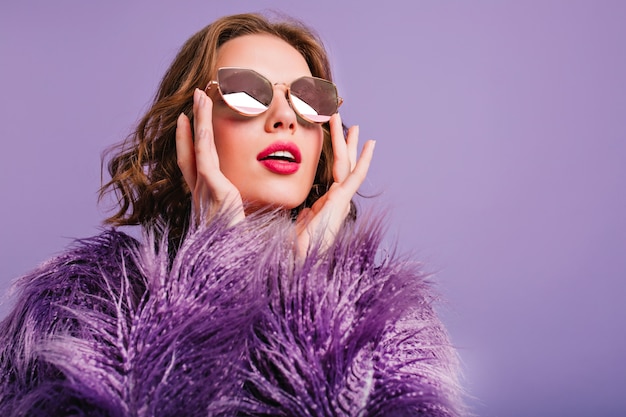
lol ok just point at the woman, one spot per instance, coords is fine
(255, 290)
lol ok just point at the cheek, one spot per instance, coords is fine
(228, 135)
(230, 152)
(223, 143)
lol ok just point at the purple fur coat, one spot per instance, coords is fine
(229, 325)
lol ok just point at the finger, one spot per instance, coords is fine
(352, 141)
(352, 183)
(340, 194)
(341, 164)
(185, 153)
(207, 161)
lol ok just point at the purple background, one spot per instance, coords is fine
(501, 153)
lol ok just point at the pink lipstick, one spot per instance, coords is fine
(281, 158)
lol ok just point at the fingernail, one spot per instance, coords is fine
(201, 98)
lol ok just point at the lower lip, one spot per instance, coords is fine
(280, 167)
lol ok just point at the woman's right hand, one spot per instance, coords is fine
(197, 158)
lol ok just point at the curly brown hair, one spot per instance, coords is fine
(145, 177)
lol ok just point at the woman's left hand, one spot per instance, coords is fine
(324, 219)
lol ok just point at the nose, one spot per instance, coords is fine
(280, 115)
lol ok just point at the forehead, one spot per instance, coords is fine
(267, 54)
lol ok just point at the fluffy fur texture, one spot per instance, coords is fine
(231, 325)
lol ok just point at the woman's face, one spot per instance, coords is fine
(251, 150)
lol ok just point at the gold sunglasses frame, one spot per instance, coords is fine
(288, 95)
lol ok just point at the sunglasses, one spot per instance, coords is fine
(249, 93)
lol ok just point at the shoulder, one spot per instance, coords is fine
(73, 294)
(85, 266)
(84, 276)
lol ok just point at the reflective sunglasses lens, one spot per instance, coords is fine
(314, 99)
(245, 90)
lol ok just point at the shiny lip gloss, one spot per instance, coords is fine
(281, 158)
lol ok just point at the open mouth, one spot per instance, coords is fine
(280, 156)
(281, 151)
